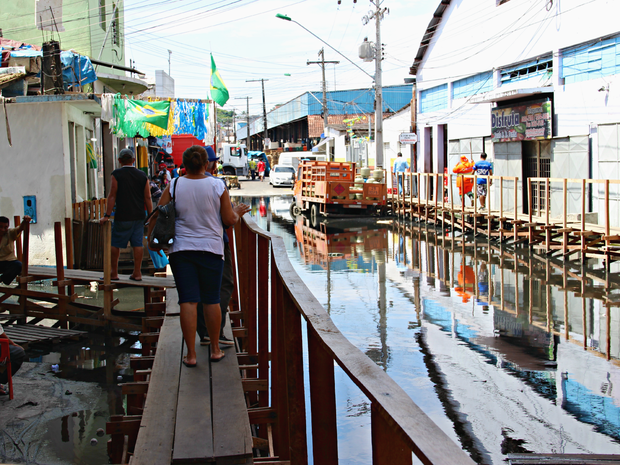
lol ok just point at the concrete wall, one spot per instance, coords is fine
(40, 165)
(78, 23)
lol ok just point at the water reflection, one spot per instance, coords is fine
(505, 350)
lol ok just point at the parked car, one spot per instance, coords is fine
(282, 175)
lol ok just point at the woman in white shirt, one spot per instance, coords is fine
(197, 253)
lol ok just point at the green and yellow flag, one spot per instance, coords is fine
(219, 92)
(90, 156)
(155, 113)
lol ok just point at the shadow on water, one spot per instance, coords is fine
(506, 350)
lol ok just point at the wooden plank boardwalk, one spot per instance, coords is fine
(26, 335)
(555, 222)
(190, 415)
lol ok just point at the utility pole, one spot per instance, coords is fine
(247, 141)
(377, 15)
(264, 109)
(325, 110)
(169, 55)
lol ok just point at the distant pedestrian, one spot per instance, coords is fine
(130, 193)
(483, 168)
(261, 170)
(155, 191)
(10, 267)
(400, 166)
(465, 185)
(252, 165)
(175, 172)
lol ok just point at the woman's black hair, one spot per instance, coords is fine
(195, 159)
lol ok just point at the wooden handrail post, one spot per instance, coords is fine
(607, 227)
(60, 273)
(583, 221)
(18, 244)
(278, 368)
(323, 402)
(251, 312)
(387, 446)
(263, 316)
(69, 247)
(108, 293)
(23, 281)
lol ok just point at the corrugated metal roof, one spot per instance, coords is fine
(339, 102)
(428, 35)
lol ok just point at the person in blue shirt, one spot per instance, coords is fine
(483, 168)
(400, 166)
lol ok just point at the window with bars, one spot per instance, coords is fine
(472, 85)
(591, 61)
(536, 69)
(116, 30)
(434, 99)
(102, 14)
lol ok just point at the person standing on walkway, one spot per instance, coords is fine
(17, 354)
(197, 254)
(228, 283)
(483, 168)
(130, 192)
(465, 185)
(261, 170)
(400, 166)
(10, 267)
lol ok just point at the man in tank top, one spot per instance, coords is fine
(131, 194)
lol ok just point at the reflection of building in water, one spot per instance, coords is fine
(539, 318)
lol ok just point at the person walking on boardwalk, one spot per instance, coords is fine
(197, 253)
(10, 267)
(465, 185)
(228, 283)
(17, 354)
(400, 166)
(130, 193)
(483, 168)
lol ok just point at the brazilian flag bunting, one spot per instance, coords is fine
(219, 92)
(155, 113)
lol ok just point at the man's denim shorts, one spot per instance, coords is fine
(198, 276)
(127, 231)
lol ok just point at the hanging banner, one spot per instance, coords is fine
(530, 121)
(155, 113)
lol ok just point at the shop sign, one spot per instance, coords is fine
(408, 138)
(530, 121)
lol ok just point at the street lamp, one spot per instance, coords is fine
(376, 78)
(288, 18)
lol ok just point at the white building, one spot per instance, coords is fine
(546, 72)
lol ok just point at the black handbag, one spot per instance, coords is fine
(162, 235)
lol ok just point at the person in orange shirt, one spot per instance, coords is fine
(465, 185)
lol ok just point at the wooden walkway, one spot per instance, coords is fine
(182, 415)
(555, 223)
(26, 335)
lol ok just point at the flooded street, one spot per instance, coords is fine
(506, 354)
(66, 392)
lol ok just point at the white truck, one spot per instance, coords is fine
(293, 158)
(234, 159)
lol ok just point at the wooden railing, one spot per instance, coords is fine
(273, 301)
